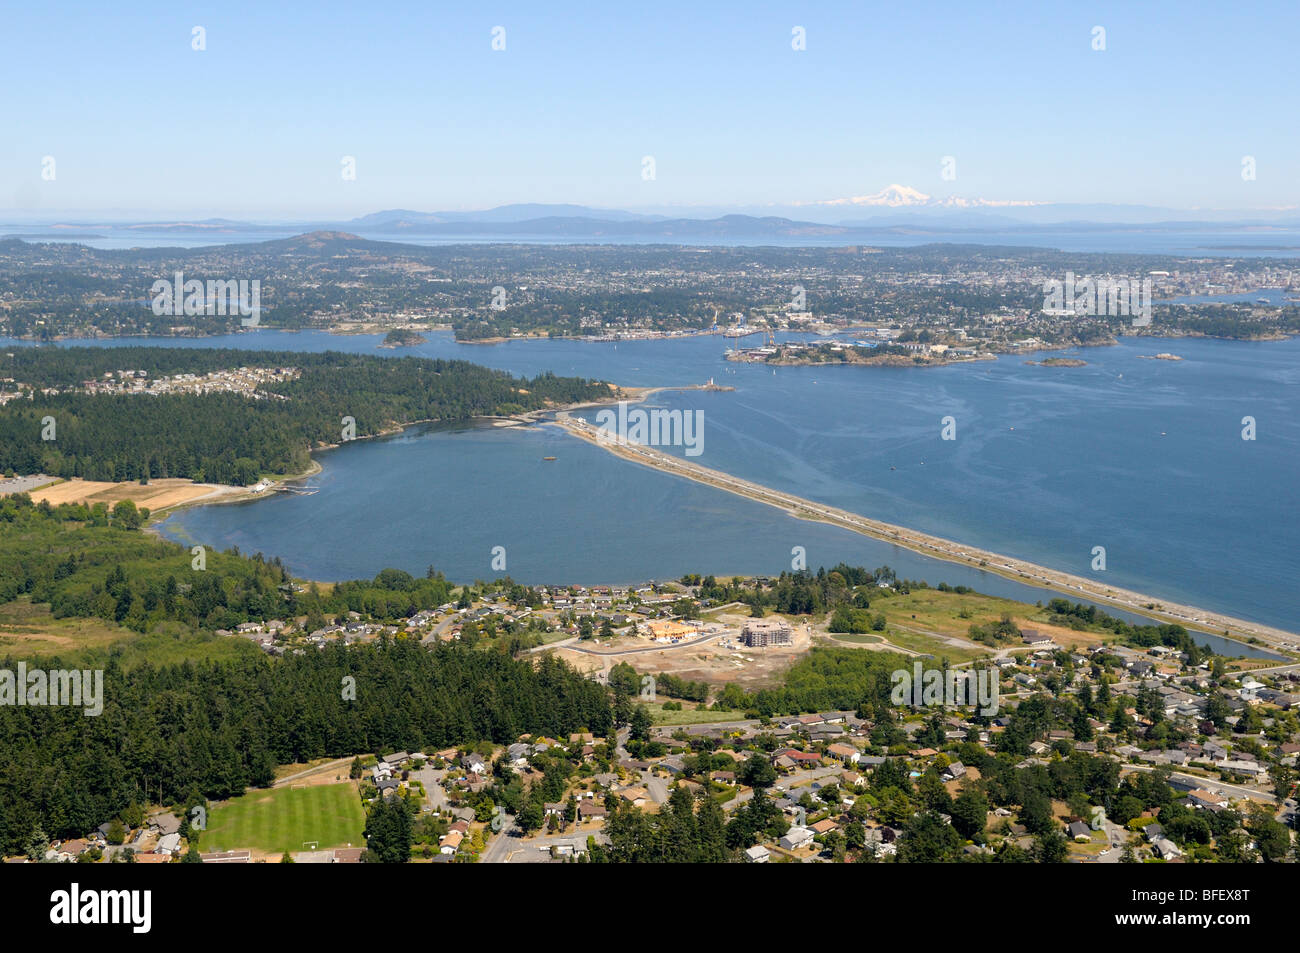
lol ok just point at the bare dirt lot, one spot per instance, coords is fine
(156, 495)
(709, 661)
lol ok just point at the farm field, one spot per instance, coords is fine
(273, 821)
(154, 496)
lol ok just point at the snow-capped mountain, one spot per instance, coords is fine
(902, 196)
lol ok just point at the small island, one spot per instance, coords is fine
(1163, 356)
(1058, 362)
(833, 352)
(402, 337)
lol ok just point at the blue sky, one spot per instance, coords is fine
(256, 125)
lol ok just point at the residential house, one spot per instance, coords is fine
(796, 837)
(1165, 849)
(843, 752)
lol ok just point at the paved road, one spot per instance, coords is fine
(501, 844)
(25, 484)
(562, 644)
(921, 542)
(319, 769)
(439, 628)
(1236, 790)
(531, 851)
(786, 785)
(658, 647)
(1275, 668)
(431, 778)
(720, 725)
(955, 641)
(1116, 837)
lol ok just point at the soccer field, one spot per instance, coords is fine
(285, 818)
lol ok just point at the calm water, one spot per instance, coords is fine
(1282, 242)
(1143, 457)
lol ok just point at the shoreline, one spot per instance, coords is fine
(1194, 619)
(378, 330)
(277, 483)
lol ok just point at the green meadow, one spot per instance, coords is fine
(283, 819)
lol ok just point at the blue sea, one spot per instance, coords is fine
(1142, 457)
(1279, 242)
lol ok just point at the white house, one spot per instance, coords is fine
(796, 837)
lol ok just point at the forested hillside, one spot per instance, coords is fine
(195, 731)
(208, 730)
(232, 438)
(93, 563)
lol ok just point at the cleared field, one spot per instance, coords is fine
(29, 630)
(856, 639)
(689, 716)
(950, 647)
(707, 661)
(942, 614)
(156, 495)
(283, 819)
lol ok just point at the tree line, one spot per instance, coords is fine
(192, 731)
(231, 438)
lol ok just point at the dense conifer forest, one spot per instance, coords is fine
(230, 437)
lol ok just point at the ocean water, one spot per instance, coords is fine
(1142, 457)
(1280, 242)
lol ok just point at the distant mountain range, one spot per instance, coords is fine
(897, 209)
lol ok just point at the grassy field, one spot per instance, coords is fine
(689, 716)
(915, 641)
(285, 818)
(942, 613)
(856, 639)
(29, 630)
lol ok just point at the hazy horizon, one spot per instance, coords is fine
(283, 114)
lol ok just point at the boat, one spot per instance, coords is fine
(548, 458)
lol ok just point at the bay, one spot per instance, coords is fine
(1143, 457)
